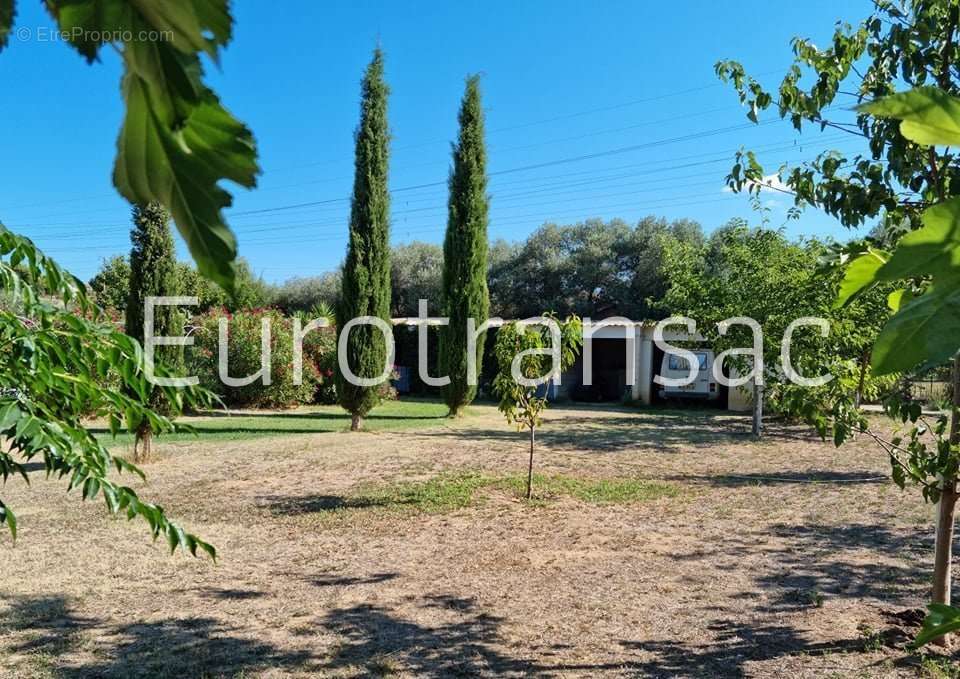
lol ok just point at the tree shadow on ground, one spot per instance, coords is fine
(330, 580)
(312, 504)
(812, 476)
(230, 594)
(853, 561)
(814, 562)
(375, 639)
(44, 630)
(735, 645)
(41, 624)
(572, 432)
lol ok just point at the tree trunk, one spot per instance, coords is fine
(946, 510)
(757, 409)
(946, 515)
(143, 444)
(530, 465)
(355, 422)
(858, 396)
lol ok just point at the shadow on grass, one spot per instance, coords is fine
(41, 625)
(330, 580)
(824, 476)
(374, 641)
(227, 594)
(854, 561)
(815, 562)
(734, 645)
(382, 643)
(164, 649)
(311, 504)
(568, 430)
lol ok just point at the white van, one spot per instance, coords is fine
(704, 387)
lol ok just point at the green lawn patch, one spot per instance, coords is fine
(439, 494)
(390, 416)
(594, 491)
(448, 492)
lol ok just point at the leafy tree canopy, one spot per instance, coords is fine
(586, 269)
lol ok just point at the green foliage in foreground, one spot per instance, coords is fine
(452, 491)
(925, 328)
(908, 180)
(177, 142)
(58, 357)
(941, 619)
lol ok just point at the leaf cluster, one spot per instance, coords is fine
(58, 353)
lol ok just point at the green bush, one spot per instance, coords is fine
(320, 349)
(244, 358)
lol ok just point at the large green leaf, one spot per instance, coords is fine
(188, 26)
(181, 19)
(7, 12)
(177, 141)
(927, 328)
(941, 619)
(860, 274)
(181, 168)
(898, 298)
(89, 23)
(931, 250)
(927, 115)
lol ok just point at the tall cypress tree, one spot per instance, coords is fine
(153, 266)
(465, 292)
(366, 271)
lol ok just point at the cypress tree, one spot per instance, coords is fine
(465, 292)
(366, 271)
(153, 266)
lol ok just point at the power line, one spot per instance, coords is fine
(573, 190)
(498, 199)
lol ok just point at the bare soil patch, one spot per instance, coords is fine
(785, 557)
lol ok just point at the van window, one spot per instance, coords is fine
(679, 363)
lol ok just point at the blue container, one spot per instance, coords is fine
(404, 377)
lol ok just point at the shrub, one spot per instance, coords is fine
(244, 358)
(320, 349)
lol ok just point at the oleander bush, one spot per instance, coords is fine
(243, 358)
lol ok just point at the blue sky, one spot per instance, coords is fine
(561, 80)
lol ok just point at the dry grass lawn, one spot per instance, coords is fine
(661, 544)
